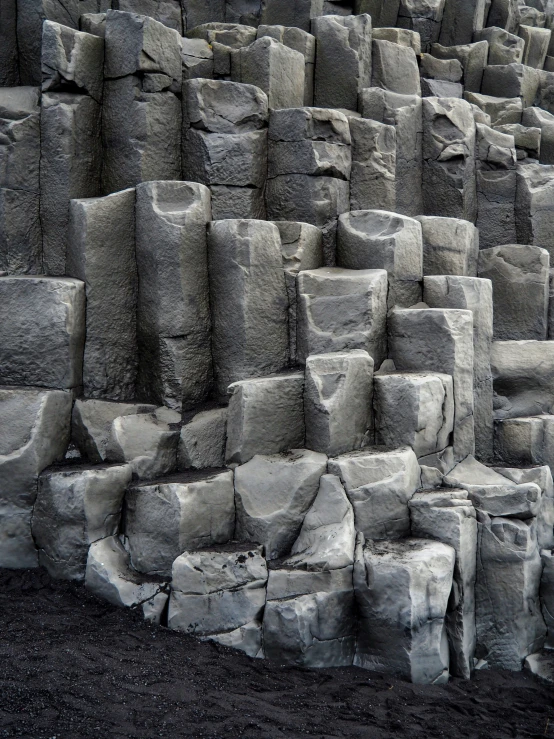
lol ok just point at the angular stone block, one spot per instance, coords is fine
(75, 507)
(534, 214)
(543, 120)
(502, 111)
(248, 301)
(218, 106)
(527, 138)
(101, 252)
(511, 81)
(198, 12)
(272, 496)
(504, 47)
(450, 246)
(438, 340)
(338, 402)
(186, 512)
(276, 69)
(202, 442)
(424, 19)
(266, 416)
(167, 12)
(508, 612)
(299, 40)
(218, 591)
(414, 410)
(343, 60)
(523, 374)
(394, 68)
(537, 41)
(373, 172)
(472, 57)
(379, 485)
(173, 292)
(359, 323)
(448, 516)
(197, 58)
(520, 280)
(9, 70)
(547, 596)
(402, 591)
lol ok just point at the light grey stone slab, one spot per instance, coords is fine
(203, 439)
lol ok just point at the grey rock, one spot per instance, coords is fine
(547, 595)
(476, 295)
(141, 134)
(534, 218)
(441, 89)
(247, 639)
(338, 402)
(511, 81)
(199, 12)
(448, 516)
(373, 172)
(541, 665)
(94, 23)
(537, 41)
(527, 137)
(504, 14)
(92, 422)
(297, 13)
(423, 18)
(147, 442)
(101, 252)
(508, 615)
(173, 292)
(9, 70)
(360, 323)
(386, 31)
(523, 373)
(167, 12)
(273, 494)
(213, 592)
(404, 112)
(70, 167)
(110, 577)
(42, 331)
(502, 111)
(310, 124)
(542, 119)
(276, 69)
(185, 512)
(265, 416)
(402, 591)
(541, 476)
(520, 279)
(203, 438)
(450, 246)
(72, 61)
(316, 158)
(414, 410)
(449, 158)
(218, 106)
(376, 239)
(343, 60)
(299, 40)
(197, 58)
(35, 433)
(472, 57)
(504, 47)
(20, 230)
(247, 289)
(74, 508)
(448, 70)
(379, 484)
(394, 68)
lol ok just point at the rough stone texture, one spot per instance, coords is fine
(173, 312)
(450, 246)
(414, 410)
(338, 402)
(248, 301)
(534, 219)
(203, 439)
(266, 416)
(379, 485)
(273, 494)
(34, 434)
(9, 69)
(543, 120)
(299, 40)
(373, 172)
(448, 516)
(502, 110)
(101, 253)
(508, 614)
(504, 47)
(164, 520)
(402, 590)
(361, 321)
(439, 340)
(511, 81)
(547, 596)
(42, 331)
(473, 58)
(523, 374)
(76, 507)
(394, 68)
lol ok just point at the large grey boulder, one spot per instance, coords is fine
(203, 439)
(504, 47)
(34, 434)
(299, 40)
(373, 172)
(42, 331)
(110, 576)
(541, 476)
(523, 375)
(450, 246)
(473, 57)
(379, 484)
(439, 340)
(273, 494)
(520, 279)
(402, 590)
(75, 507)
(173, 311)
(101, 252)
(217, 591)
(414, 410)
(248, 301)
(265, 416)
(185, 512)
(535, 117)
(508, 612)
(20, 231)
(197, 57)
(358, 324)
(534, 218)
(394, 68)
(501, 111)
(448, 516)
(219, 106)
(338, 402)
(512, 81)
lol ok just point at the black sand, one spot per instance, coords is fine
(73, 667)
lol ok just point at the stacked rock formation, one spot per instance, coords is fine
(277, 321)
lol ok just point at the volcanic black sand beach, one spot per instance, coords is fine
(74, 667)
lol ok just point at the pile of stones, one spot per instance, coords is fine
(277, 321)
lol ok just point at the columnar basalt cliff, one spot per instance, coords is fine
(277, 321)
